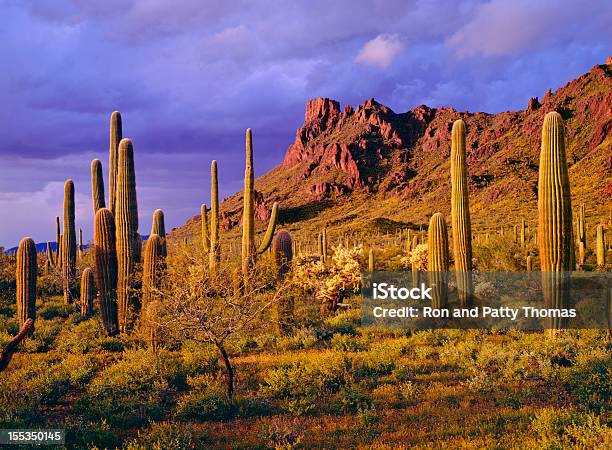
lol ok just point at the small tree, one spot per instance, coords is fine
(210, 308)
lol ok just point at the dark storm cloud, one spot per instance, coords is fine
(190, 76)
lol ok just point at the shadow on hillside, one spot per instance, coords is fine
(304, 212)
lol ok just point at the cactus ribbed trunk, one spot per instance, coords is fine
(601, 246)
(529, 263)
(25, 277)
(50, 255)
(69, 243)
(523, 232)
(97, 185)
(460, 215)
(126, 228)
(582, 239)
(437, 249)
(152, 275)
(80, 248)
(88, 292)
(283, 256)
(105, 258)
(214, 256)
(371, 260)
(555, 238)
(324, 244)
(205, 236)
(159, 228)
(248, 211)
(116, 134)
(58, 243)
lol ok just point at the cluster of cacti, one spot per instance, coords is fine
(105, 258)
(460, 214)
(126, 227)
(25, 277)
(437, 250)
(88, 292)
(555, 237)
(249, 250)
(152, 276)
(69, 244)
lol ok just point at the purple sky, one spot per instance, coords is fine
(189, 76)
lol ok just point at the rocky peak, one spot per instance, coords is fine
(321, 110)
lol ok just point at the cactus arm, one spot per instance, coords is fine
(267, 239)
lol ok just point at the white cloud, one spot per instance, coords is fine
(380, 51)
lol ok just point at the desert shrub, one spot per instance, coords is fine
(44, 336)
(300, 384)
(302, 338)
(53, 308)
(590, 379)
(562, 428)
(350, 398)
(501, 254)
(347, 343)
(82, 337)
(344, 323)
(165, 436)
(411, 392)
(133, 390)
(92, 435)
(381, 358)
(198, 358)
(205, 400)
(480, 383)
(283, 433)
(386, 395)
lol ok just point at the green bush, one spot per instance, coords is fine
(165, 436)
(347, 343)
(135, 389)
(205, 400)
(562, 428)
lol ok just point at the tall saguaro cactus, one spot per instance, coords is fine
(283, 256)
(437, 251)
(582, 239)
(249, 250)
(25, 277)
(97, 185)
(69, 244)
(105, 257)
(555, 239)
(215, 246)
(80, 247)
(152, 274)
(126, 228)
(88, 292)
(116, 134)
(460, 214)
(159, 228)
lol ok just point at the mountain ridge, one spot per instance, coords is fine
(375, 163)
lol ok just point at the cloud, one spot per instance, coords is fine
(509, 28)
(380, 51)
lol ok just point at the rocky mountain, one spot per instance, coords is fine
(351, 167)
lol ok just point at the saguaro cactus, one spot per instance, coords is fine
(159, 228)
(555, 237)
(460, 214)
(116, 134)
(69, 244)
(80, 248)
(88, 292)
(523, 232)
(97, 185)
(152, 275)
(325, 244)
(126, 224)
(582, 239)
(58, 243)
(529, 263)
(601, 246)
(204, 218)
(437, 251)
(215, 246)
(249, 250)
(50, 255)
(105, 258)
(283, 253)
(371, 260)
(25, 277)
